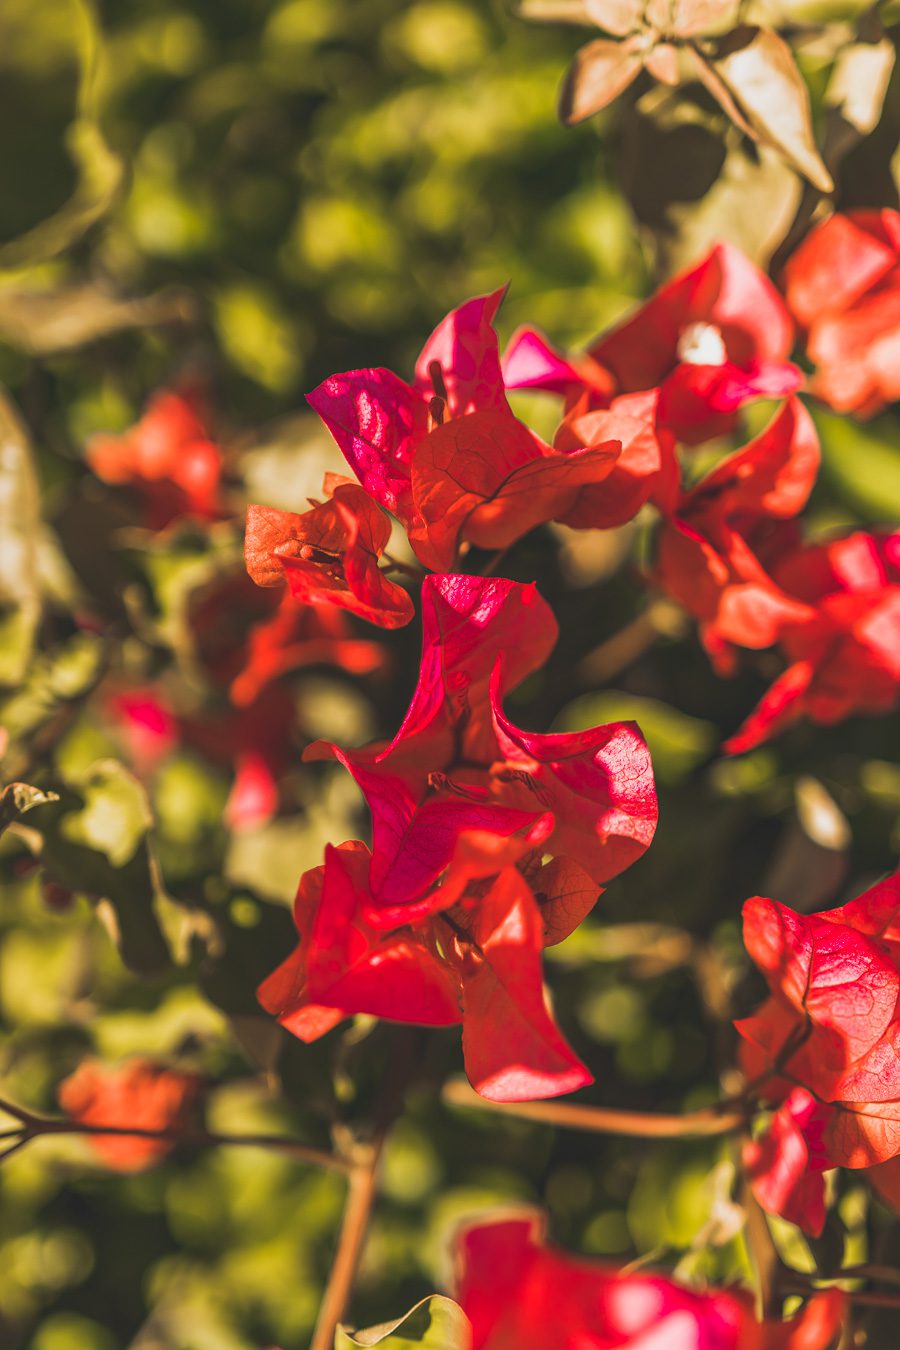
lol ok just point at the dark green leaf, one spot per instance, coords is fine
(95, 839)
(17, 798)
(862, 462)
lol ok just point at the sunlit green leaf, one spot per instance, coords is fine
(18, 798)
(862, 462)
(19, 527)
(94, 838)
(100, 170)
(437, 1323)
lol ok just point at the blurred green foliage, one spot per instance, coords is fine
(261, 192)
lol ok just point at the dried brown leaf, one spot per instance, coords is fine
(600, 72)
(756, 69)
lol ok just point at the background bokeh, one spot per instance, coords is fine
(254, 194)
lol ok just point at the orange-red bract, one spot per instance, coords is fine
(831, 1023)
(709, 340)
(472, 956)
(843, 644)
(713, 550)
(168, 457)
(517, 1291)
(446, 919)
(843, 286)
(139, 1093)
(445, 454)
(328, 555)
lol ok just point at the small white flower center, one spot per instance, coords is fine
(702, 344)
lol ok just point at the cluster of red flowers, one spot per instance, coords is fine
(445, 920)
(490, 842)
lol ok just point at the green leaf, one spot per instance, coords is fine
(862, 463)
(678, 743)
(95, 838)
(17, 798)
(53, 680)
(20, 522)
(436, 1323)
(100, 171)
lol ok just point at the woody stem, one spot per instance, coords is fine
(606, 661)
(707, 1123)
(795, 1282)
(360, 1198)
(362, 1190)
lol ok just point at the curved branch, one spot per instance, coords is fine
(709, 1122)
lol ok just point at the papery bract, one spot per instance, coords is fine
(456, 749)
(844, 650)
(831, 1022)
(139, 1093)
(709, 340)
(517, 1291)
(714, 550)
(445, 454)
(328, 555)
(785, 1166)
(645, 470)
(843, 286)
(168, 457)
(487, 478)
(471, 957)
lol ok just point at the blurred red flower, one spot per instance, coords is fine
(710, 340)
(842, 642)
(167, 457)
(517, 1291)
(843, 286)
(139, 1093)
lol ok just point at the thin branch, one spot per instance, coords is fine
(492, 564)
(34, 1127)
(710, 1122)
(8, 1108)
(883, 1274)
(13, 1148)
(361, 1193)
(795, 1282)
